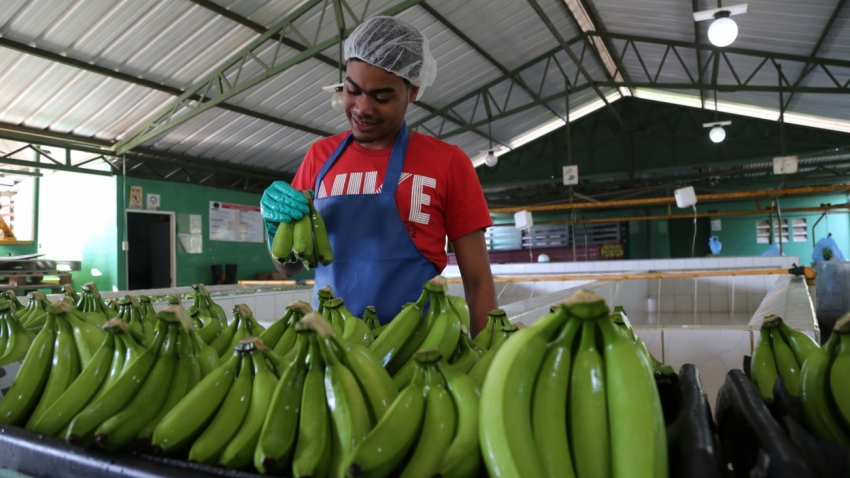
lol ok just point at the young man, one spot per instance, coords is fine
(389, 196)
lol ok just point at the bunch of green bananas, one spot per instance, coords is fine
(431, 429)
(572, 396)
(371, 319)
(146, 308)
(825, 385)
(281, 336)
(328, 399)
(496, 319)
(414, 328)
(13, 300)
(242, 326)
(92, 306)
(129, 311)
(112, 304)
(33, 315)
(780, 350)
(625, 326)
(304, 240)
(64, 347)
(478, 372)
(219, 421)
(71, 294)
(204, 302)
(15, 340)
(346, 325)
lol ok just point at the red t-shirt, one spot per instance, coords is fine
(448, 199)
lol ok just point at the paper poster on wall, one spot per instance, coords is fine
(235, 222)
(135, 197)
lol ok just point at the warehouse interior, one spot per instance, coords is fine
(678, 171)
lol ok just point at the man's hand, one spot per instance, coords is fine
(282, 203)
(474, 264)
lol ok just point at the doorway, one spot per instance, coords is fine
(150, 258)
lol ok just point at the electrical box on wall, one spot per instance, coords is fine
(685, 197)
(523, 219)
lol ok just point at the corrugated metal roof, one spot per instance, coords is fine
(177, 43)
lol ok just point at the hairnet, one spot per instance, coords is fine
(394, 46)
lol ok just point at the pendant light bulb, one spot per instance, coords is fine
(723, 30)
(717, 134)
(491, 160)
(336, 102)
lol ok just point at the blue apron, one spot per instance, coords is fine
(375, 260)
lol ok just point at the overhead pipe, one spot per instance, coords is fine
(671, 200)
(758, 212)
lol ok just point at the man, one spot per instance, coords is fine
(389, 197)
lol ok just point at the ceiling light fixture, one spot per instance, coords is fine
(491, 159)
(336, 98)
(717, 134)
(723, 30)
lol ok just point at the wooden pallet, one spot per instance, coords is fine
(15, 280)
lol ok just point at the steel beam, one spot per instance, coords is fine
(217, 87)
(565, 46)
(695, 6)
(52, 167)
(817, 46)
(65, 60)
(320, 57)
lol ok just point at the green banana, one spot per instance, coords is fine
(207, 356)
(82, 427)
(129, 314)
(146, 309)
(302, 239)
(87, 336)
(395, 335)
(278, 434)
(377, 385)
(22, 396)
(347, 405)
(506, 434)
(371, 318)
(116, 362)
(122, 429)
(222, 343)
(461, 309)
(839, 375)
(188, 417)
(549, 413)
(485, 337)
(18, 339)
(381, 452)
(819, 408)
(208, 447)
(306, 450)
(786, 363)
(322, 245)
(79, 393)
(187, 374)
(90, 305)
(274, 332)
(800, 343)
(463, 458)
(479, 371)
(66, 365)
(588, 407)
(283, 240)
(637, 433)
(239, 453)
(438, 427)
(465, 357)
(763, 366)
(323, 295)
(13, 299)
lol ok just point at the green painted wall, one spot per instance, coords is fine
(251, 258)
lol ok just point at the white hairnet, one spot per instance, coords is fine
(394, 46)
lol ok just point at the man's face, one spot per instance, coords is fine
(375, 101)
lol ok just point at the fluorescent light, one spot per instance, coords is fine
(745, 110)
(63, 267)
(547, 128)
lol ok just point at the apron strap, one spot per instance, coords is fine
(394, 169)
